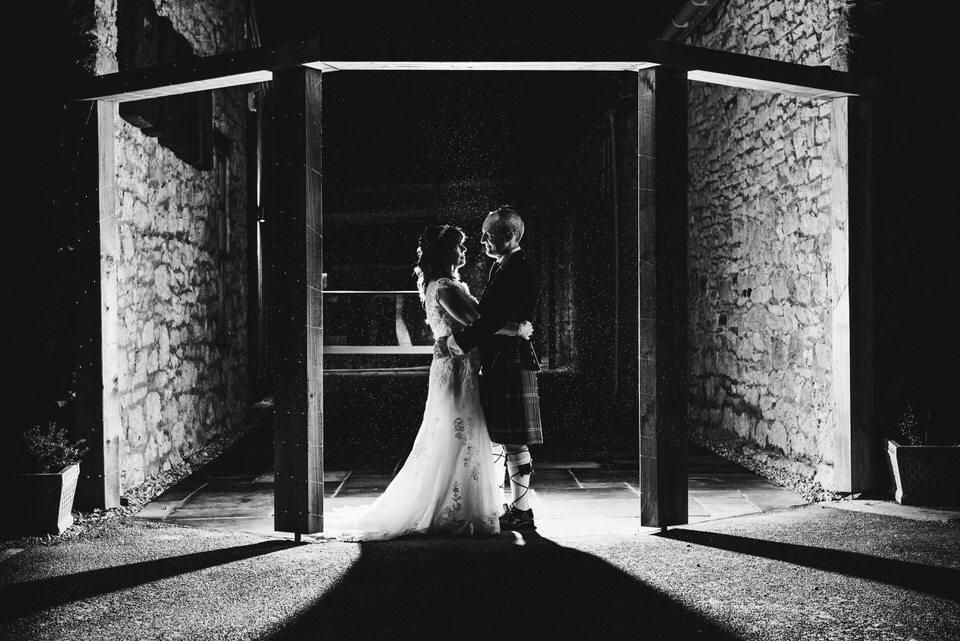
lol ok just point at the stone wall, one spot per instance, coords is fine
(182, 375)
(761, 284)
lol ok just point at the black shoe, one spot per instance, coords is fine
(515, 519)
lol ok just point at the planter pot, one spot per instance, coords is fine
(925, 474)
(42, 503)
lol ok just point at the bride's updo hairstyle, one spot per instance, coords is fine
(437, 255)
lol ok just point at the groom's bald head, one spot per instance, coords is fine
(506, 221)
(502, 230)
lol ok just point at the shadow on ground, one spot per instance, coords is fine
(43, 594)
(431, 587)
(935, 581)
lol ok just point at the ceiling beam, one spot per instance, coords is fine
(258, 65)
(762, 74)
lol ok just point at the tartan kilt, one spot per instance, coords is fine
(511, 402)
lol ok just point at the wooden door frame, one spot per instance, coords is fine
(663, 68)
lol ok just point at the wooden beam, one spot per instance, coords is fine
(232, 69)
(109, 306)
(297, 324)
(746, 82)
(704, 65)
(662, 179)
(465, 65)
(862, 388)
(740, 70)
(258, 65)
(855, 451)
(837, 164)
(98, 405)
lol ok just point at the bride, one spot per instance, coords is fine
(450, 482)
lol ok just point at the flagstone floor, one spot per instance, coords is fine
(573, 493)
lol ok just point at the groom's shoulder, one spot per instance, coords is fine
(524, 266)
(521, 258)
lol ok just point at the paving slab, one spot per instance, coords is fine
(582, 492)
(587, 508)
(696, 509)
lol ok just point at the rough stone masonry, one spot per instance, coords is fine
(762, 288)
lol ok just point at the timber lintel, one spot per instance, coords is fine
(257, 65)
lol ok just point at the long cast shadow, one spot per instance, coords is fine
(936, 581)
(40, 594)
(438, 588)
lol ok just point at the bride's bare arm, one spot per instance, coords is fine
(458, 304)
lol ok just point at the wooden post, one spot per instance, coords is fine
(855, 442)
(98, 404)
(297, 333)
(662, 266)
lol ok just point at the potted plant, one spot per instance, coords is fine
(925, 469)
(44, 482)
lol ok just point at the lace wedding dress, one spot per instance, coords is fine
(448, 483)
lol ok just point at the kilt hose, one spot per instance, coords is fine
(511, 402)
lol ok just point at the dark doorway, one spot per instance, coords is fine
(405, 149)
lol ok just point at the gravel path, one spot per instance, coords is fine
(806, 573)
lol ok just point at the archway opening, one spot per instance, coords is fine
(410, 148)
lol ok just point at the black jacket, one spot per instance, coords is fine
(512, 295)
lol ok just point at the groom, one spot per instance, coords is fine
(509, 365)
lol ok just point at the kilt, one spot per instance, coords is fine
(511, 402)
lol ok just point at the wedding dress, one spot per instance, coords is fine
(448, 483)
